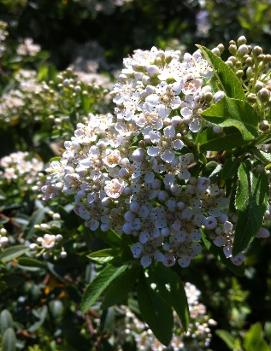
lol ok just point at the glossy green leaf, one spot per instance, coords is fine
(9, 340)
(172, 289)
(234, 113)
(12, 253)
(36, 218)
(6, 320)
(230, 138)
(254, 340)
(102, 256)
(99, 285)
(118, 290)
(156, 312)
(230, 168)
(30, 262)
(228, 80)
(243, 187)
(229, 340)
(251, 202)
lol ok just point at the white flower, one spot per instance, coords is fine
(112, 158)
(47, 241)
(114, 188)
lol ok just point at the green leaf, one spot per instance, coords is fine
(234, 113)
(229, 340)
(156, 312)
(31, 262)
(9, 340)
(13, 252)
(254, 340)
(228, 80)
(36, 218)
(230, 138)
(111, 238)
(230, 168)
(172, 290)
(243, 187)
(6, 320)
(102, 256)
(41, 313)
(118, 290)
(251, 202)
(99, 284)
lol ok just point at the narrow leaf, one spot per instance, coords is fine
(99, 284)
(12, 252)
(172, 289)
(9, 340)
(102, 256)
(118, 290)
(228, 80)
(155, 312)
(254, 340)
(227, 338)
(243, 188)
(250, 217)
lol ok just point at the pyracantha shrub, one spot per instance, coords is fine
(140, 171)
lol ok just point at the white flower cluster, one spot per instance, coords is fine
(20, 99)
(131, 171)
(197, 338)
(47, 241)
(28, 48)
(157, 90)
(21, 165)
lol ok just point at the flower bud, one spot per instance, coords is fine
(243, 50)
(216, 51)
(219, 95)
(264, 125)
(241, 40)
(233, 49)
(264, 95)
(257, 50)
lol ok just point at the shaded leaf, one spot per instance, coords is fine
(156, 312)
(172, 289)
(230, 138)
(119, 289)
(13, 252)
(251, 203)
(99, 284)
(9, 340)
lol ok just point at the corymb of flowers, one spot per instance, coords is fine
(139, 171)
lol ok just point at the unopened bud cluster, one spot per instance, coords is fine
(252, 66)
(48, 237)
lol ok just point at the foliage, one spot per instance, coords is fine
(65, 281)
